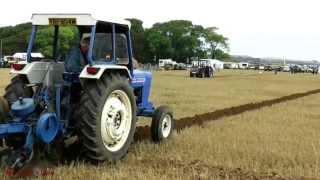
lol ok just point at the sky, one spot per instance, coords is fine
(260, 28)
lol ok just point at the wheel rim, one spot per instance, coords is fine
(166, 125)
(116, 120)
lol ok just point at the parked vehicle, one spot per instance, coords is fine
(252, 67)
(243, 65)
(167, 64)
(286, 68)
(268, 68)
(261, 67)
(180, 66)
(230, 65)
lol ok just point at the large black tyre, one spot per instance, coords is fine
(94, 127)
(17, 88)
(210, 72)
(4, 109)
(191, 74)
(162, 124)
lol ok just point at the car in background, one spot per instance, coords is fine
(167, 64)
(180, 66)
(261, 67)
(2, 64)
(252, 67)
(268, 68)
(285, 68)
(243, 65)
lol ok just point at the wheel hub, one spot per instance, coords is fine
(166, 126)
(113, 125)
(116, 120)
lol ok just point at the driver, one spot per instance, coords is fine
(76, 58)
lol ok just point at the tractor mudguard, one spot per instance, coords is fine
(101, 69)
(36, 71)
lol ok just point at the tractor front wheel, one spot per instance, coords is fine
(107, 118)
(162, 124)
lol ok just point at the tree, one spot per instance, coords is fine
(157, 45)
(184, 38)
(15, 38)
(215, 40)
(44, 40)
(139, 40)
(177, 39)
(220, 54)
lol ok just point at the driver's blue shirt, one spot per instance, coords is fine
(74, 60)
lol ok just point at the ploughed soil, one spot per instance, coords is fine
(143, 132)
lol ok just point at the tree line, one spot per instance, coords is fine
(180, 40)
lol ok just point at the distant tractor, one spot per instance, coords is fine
(202, 69)
(93, 94)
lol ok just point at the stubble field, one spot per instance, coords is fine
(267, 128)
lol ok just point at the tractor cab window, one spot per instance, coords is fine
(68, 38)
(122, 49)
(102, 50)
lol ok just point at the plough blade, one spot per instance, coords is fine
(12, 128)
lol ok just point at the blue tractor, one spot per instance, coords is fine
(94, 95)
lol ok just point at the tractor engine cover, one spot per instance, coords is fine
(23, 107)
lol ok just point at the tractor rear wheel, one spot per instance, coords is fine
(17, 89)
(210, 73)
(191, 74)
(107, 118)
(162, 124)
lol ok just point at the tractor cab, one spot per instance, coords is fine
(109, 47)
(109, 42)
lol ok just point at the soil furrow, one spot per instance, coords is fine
(143, 132)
